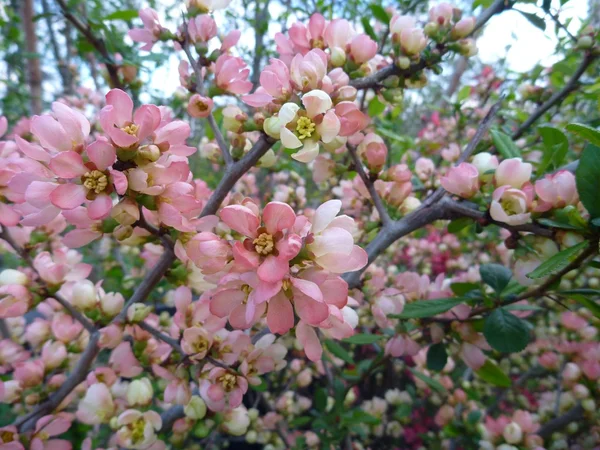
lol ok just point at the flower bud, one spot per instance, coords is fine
(11, 276)
(463, 28)
(122, 232)
(126, 212)
(138, 312)
(571, 372)
(147, 154)
(236, 421)
(195, 409)
(139, 392)
(233, 119)
(112, 303)
(84, 295)
(513, 433)
(338, 57)
(53, 354)
(486, 165)
(589, 405)
(585, 42)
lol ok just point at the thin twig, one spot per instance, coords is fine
(383, 214)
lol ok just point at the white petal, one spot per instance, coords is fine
(289, 139)
(287, 113)
(316, 102)
(308, 153)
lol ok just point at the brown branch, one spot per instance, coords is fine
(558, 97)
(374, 81)
(383, 214)
(34, 71)
(573, 415)
(98, 43)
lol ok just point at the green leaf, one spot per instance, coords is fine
(368, 28)
(496, 276)
(428, 308)
(300, 421)
(262, 387)
(320, 399)
(504, 144)
(505, 332)
(363, 339)
(463, 94)
(491, 373)
(376, 107)
(536, 21)
(588, 303)
(126, 14)
(458, 224)
(555, 224)
(556, 146)
(380, 13)
(523, 308)
(437, 357)
(587, 177)
(433, 384)
(462, 289)
(557, 262)
(339, 351)
(586, 132)
(358, 416)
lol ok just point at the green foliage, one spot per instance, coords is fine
(506, 332)
(557, 262)
(588, 179)
(339, 351)
(556, 146)
(492, 374)
(428, 308)
(437, 357)
(504, 144)
(586, 132)
(496, 276)
(362, 339)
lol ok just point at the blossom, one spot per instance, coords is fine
(49, 426)
(362, 48)
(202, 28)
(9, 437)
(137, 430)
(200, 106)
(556, 190)
(509, 205)
(275, 84)
(231, 74)
(14, 300)
(96, 406)
(196, 343)
(441, 14)
(486, 165)
(513, 172)
(308, 71)
(139, 392)
(66, 129)
(412, 41)
(204, 6)
(399, 23)
(223, 389)
(266, 247)
(461, 180)
(373, 149)
(151, 31)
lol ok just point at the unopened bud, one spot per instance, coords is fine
(138, 312)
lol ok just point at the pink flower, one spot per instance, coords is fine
(9, 438)
(461, 180)
(208, 252)
(549, 360)
(117, 121)
(178, 390)
(29, 373)
(275, 84)
(65, 328)
(223, 389)
(151, 31)
(96, 406)
(472, 355)
(49, 426)
(556, 190)
(572, 321)
(362, 48)
(196, 343)
(513, 172)
(463, 28)
(65, 130)
(199, 106)
(124, 362)
(509, 206)
(400, 23)
(330, 240)
(373, 149)
(266, 247)
(230, 40)
(138, 430)
(339, 34)
(202, 28)
(14, 300)
(412, 41)
(231, 75)
(308, 71)
(352, 119)
(441, 14)
(266, 357)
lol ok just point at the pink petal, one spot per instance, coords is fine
(102, 154)
(148, 119)
(273, 269)
(78, 238)
(68, 165)
(50, 133)
(68, 196)
(310, 311)
(325, 214)
(119, 180)
(225, 301)
(32, 150)
(308, 288)
(122, 106)
(38, 193)
(341, 263)
(240, 219)
(278, 216)
(100, 208)
(280, 315)
(310, 342)
(41, 217)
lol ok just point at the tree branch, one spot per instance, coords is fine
(558, 97)
(574, 414)
(383, 214)
(98, 43)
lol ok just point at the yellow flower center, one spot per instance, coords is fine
(7, 436)
(318, 43)
(200, 344)
(509, 206)
(95, 181)
(305, 127)
(137, 430)
(228, 381)
(264, 244)
(131, 129)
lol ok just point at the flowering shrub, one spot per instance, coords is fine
(267, 260)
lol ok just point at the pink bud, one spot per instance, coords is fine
(53, 354)
(362, 48)
(513, 172)
(29, 373)
(463, 28)
(441, 14)
(549, 360)
(209, 252)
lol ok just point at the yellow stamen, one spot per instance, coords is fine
(131, 129)
(264, 244)
(305, 128)
(95, 181)
(228, 381)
